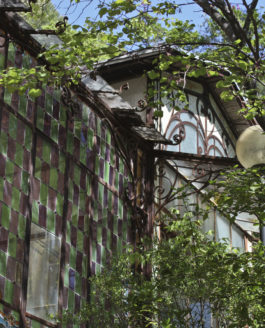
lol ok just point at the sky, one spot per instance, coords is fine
(77, 14)
(192, 12)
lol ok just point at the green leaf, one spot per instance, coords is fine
(238, 41)
(102, 11)
(34, 93)
(153, 75)
(227, 96)
(243, 65)
(118, 2)
(223, 83)
(158, 113)
(212, 73)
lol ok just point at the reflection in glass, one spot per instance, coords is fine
(238, 239)
(222, 228)
(43, 277)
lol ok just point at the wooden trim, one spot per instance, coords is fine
(42, 321)
(166, 154)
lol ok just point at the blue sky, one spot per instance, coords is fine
(78, 14)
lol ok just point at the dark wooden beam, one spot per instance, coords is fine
(167, 155)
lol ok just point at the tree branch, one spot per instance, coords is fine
(209, 8)
(250, 10)
(228, 22)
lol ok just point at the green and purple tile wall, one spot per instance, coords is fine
(73, 157)
(109, 224)
(15, 146)
(2, 56)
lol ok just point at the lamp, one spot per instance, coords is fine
(250, 151)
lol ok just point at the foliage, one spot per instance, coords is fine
(192, 273)
(237, 58)
(15, 80)
(44, 15)
(192, 276)
(240, 191)
(212, 31)
(123, 26)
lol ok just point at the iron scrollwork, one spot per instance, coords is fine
(165, 190)
(199, 170)
(179, 136)
(212, 138)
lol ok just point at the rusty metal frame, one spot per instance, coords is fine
(200, 173)
(203, 106)
(161, 200)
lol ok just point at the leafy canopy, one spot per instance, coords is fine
(44, 15)
(192, 277)
(240, 191)
(122, 26)
(192, 274)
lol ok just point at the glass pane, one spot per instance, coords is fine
(193, 104)
(201, 144)
(208, 224)
(43, 278)
(222, 228)
(247, 222)
(201, 123)
(169, 183)
(168, 112)
(188, 117)
(237, 239)
(189, 144)
(220, 151)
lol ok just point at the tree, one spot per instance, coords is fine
(240, 191)
(230, 284)
(45, 15)
(130, 25)
(193, 277)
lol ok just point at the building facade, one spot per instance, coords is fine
(80, 170)
(202, 136)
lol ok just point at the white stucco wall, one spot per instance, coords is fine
(137, 89)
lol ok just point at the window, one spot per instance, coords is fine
(201, 130)
(43, 277)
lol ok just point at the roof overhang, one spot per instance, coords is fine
(134, 64)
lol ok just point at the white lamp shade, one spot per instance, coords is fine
(250, 147)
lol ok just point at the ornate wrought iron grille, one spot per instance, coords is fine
(198, 130)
